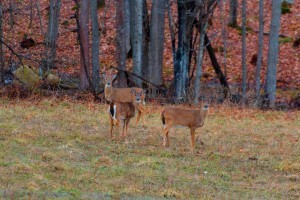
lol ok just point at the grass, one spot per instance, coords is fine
(61, 149)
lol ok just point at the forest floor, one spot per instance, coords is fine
(54, 148)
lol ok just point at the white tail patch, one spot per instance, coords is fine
(115, 112)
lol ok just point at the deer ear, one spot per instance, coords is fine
(132, 91)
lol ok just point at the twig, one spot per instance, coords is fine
(134, 74)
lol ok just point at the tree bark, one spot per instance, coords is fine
(146, 40)
(260, 48)
(138, 40)
(156, 48)
(181, 75)
(216, 66)
(270, 89)
(11, 13)
(52, 35)
(244, 66)
(84, 37)
(1, 47)
(95, 46)
(121, 41)
(233, 13)
(199, 62)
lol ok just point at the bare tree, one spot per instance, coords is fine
(244, 66)
(156, 48)
(84, 37)
(11, 13)
(95, 46)
(52, 34)
(121, 40)
(233, 13)
(260, 47)
(203, 21)
(1, 47)
(270, 88)
(138, 40)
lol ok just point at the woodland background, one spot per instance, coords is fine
(26, 29)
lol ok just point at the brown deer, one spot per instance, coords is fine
(123, 112)
(124, 95)
(172, 116)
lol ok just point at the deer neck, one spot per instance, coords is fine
(201, 117)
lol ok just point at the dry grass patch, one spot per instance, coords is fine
(61, 149)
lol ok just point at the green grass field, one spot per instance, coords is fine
(53, 149)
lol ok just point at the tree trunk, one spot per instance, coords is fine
(138, 41)
(121, 41)
(233, 13)
(199, 62)
(127, 25)
(1, 47)
(181, 75)
(244, 66)
(52, 34)
(270, 89)
(84, 37)
(11, 13)
(95, 46)
(146, 40)
(216, 66)
(156, 48)
(38, 8)
(260, 48)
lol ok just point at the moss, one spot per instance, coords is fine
(285, 8)
(285, 40)
(248, 29)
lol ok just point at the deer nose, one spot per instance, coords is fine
(107, 83)
(138, 99)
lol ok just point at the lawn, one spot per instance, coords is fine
(61, 149)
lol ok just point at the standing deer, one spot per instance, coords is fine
(172, 116)
(125, 95)
(123, 112)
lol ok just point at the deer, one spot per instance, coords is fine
(123, 112)
(174, 116)
(125, 95)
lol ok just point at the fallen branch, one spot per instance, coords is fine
(134, 74)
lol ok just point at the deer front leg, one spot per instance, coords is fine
(193, 138)
(126, 127)
(138, 117)
(123, 127)
(166, 142)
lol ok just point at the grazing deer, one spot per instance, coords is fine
(172, 116)
(123, 112)
(125, 95)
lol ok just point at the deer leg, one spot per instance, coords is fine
(193, 138)
(123, 128)
(167, 128)
(111, 127)
(138, 116)
(127, 124)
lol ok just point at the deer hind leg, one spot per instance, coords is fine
(111, 127)
(126, 127)
(167, 128)
(193, 138)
